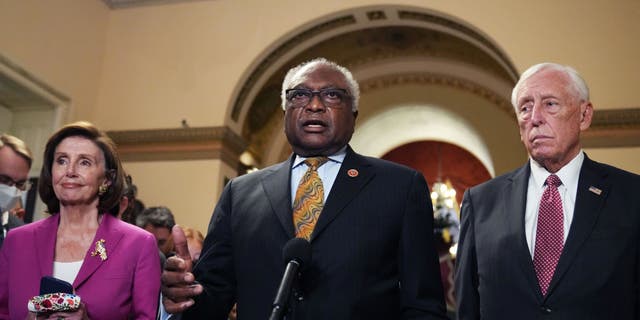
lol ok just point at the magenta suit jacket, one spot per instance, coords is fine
(125, 285)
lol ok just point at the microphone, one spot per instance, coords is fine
(296, 253)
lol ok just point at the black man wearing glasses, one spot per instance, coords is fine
(369, 224)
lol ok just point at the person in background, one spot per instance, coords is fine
(112, 265)
(369, 223)
(194, 242)
(15, 162)
(558, 238)
(159, 221)
(126, 210)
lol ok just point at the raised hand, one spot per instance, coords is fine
(178, 283)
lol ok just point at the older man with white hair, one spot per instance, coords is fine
(558, 238)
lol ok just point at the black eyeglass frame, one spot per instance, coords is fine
(344, 95)
(21, 185)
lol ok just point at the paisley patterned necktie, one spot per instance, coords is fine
(309, 199)
(549, 233)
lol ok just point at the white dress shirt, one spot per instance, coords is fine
(569, 175)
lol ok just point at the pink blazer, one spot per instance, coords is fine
(125, 285)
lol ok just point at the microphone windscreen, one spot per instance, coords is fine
(297, 249)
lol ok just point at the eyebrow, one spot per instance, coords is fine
(82, 155)
(329, 86)
(542, 97)
(549, 96)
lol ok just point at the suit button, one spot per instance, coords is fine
(545, 309)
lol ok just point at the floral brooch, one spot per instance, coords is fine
(100, 250)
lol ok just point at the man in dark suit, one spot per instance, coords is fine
(15, 162)
(559, 237)
(373, 254)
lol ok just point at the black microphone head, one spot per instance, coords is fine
(297, 249)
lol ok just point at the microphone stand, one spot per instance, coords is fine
(281, 301)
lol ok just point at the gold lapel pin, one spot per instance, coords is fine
(352, 173)
(100, 250)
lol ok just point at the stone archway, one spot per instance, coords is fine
(395, 53)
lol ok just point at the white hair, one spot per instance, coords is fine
(578, 84)
(353, 89)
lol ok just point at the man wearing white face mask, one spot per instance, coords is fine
(15, 162)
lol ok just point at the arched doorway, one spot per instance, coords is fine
(441, 161)
(400, 56)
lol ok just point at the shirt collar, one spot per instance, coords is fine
(5, 218)
(336, 157)
(568, 174)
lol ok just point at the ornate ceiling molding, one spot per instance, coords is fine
(280, 51)
(122, 4)
(424, 78)
(609, 128)
(374, 18)
(462, 29)
(180, 144)
(613, 128)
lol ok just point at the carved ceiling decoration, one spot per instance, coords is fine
(355, 40)
(278, 53)
(179, 144)
(613, 128)
(122, 4)
(610, 128)
(396, 35)
(437, 79)
(453, 25)
(421, 37)
(367, 47)
(375, 44)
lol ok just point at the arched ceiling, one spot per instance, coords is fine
(373, 48)
(392, 50)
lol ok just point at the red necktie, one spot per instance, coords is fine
(549, 233)
(309, 199)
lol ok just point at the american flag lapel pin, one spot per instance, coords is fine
(595, 190)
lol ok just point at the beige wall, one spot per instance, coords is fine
(61, 43)
(169, 62)
(188, 188)
(152, 66)
(624, 158)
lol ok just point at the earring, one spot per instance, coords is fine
(102, 189)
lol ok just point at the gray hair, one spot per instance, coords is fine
(354, 88)
(159, 217)
(579, 86)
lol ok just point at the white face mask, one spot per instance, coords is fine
(9, 196)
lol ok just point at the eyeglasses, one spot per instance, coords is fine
(331, 97)
(23, 185)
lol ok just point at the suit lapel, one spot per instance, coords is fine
(516, 194)
(345, 188)
(45, 236)
(587, 209)
(279, 197)
(111, 235)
